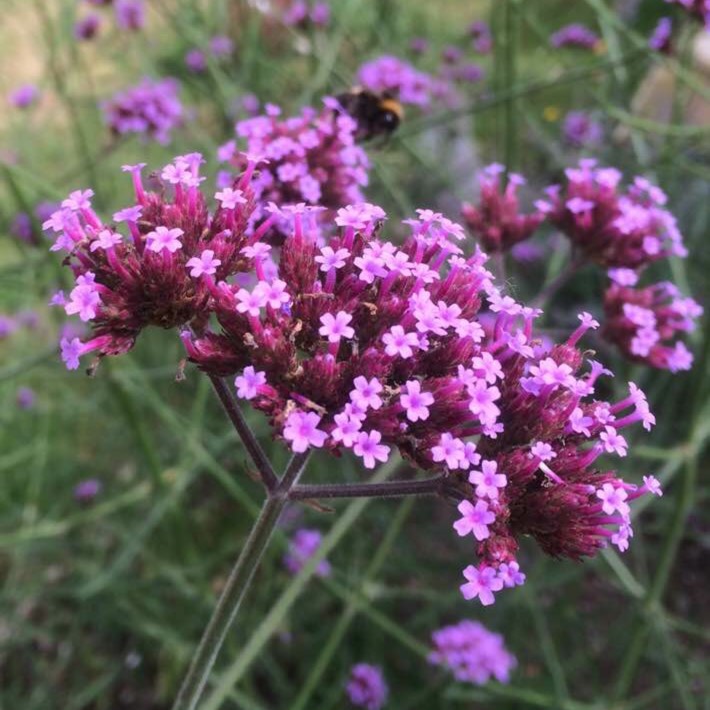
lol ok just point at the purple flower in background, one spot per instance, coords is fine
(296, 13)
(130, 14)
(86, 491)
(419, 45)
(643, 323)
(581, 130)
(660, 40)
(196, 61)
(151, 109)
(320, 14)
(451, 54)
(88, 27)
(472, 653)
(23, 96)
(21, 227)
(388, 73)
(8, 326)
(481, 37)
(25, 398)
(574, 35)
(221, 46)
(302, 546)
(366, 687)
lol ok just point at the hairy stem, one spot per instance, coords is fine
(266, 471)
(238, 583)
(389, 489)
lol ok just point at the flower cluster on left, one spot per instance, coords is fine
(162, 269)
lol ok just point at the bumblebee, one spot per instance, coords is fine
(375, 114)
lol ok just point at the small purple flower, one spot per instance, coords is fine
(196, 61)
(481, 37)
(87, 490)
(574, 35)
(472, 653)
(660, 39)
(581, 130)
(25, 398)
(221, 46)
(302, 546)
(366, 687)
(87, 27)
(130, 14)
(23, 96)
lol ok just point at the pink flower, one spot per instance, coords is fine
(302, 432)
(367, 445)
(329, 259)
(164, 238)
(248, 383)
(366, 393)
(230, 198)
(205, 264)
(336, 326)
(415, 402)
(475, 519)
(450, 450)
(346, 430)
(487, 480)
(482, 583)
(613, 499)
(652, 485)
(399, 343)
(252, 302)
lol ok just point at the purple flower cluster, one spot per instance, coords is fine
(366, 687)
(162, 272)
(481, 37)
(613, 226)
(151, 109)
(305, 542)
(496, 221)
(472, 653)
(697, 8)
(23, 96)
(399, 78)
(660, 40)
(581, 130)
(309, 158)
(129, 15)
(358, 347)
(300, 13)
(10, 324)
(574, 35)
(644, 322)
(220, 47)
(87, 27)
(86, 490)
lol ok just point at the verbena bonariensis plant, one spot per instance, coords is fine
(357, 346)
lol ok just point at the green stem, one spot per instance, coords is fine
(237, 585)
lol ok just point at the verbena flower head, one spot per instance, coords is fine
(87, 27)
(496, 221)
(310, 158)
(612, 225)
(151, 108)
(302, 546)
(472, 653)
(481, 37)
(360, 346)
(221, 46)
(87, 490)
(130, 14)
(574, 35)
(366, 687)
(401, 79)
(300, 13)
(25, 398)
(24, 96)
(698, 8)
(156, 262)
(196, 61)
(580, 129)
(645, 322)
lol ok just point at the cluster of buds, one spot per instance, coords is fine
(644, 322)
(163, 271)
(496, 221)
(151, 109)
(472, 653)
(697, 8)
(301, 547)
(574, 35)
(366, 687)
(581, 129)
(311, 158)
(358, 345)
(614, 227)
